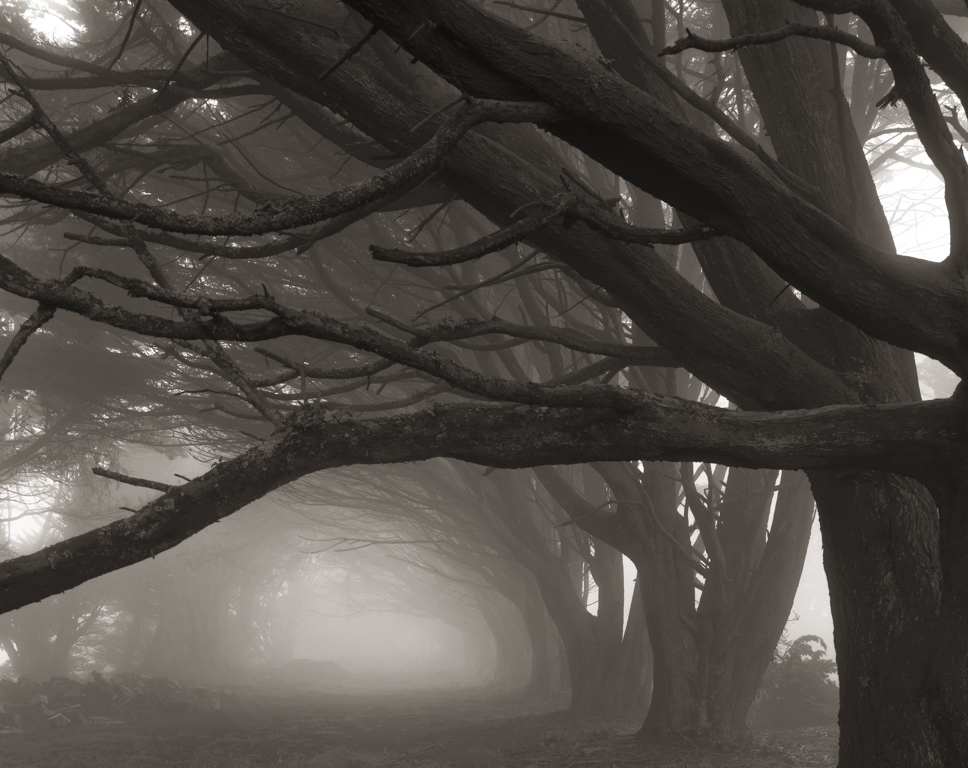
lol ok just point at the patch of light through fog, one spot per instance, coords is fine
(47, 20)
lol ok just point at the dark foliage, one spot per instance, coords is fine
(798, 690)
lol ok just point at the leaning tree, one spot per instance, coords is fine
(808, 327)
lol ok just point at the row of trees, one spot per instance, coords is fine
(584, 243)
(235, 603)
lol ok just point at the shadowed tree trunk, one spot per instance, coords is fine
(632, 675)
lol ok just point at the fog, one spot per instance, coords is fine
(378, 596)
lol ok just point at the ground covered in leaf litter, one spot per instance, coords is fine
(424, 729)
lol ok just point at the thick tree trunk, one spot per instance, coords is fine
(588, 659)
(633, 672)
(947, 697)
(592, 643)
(668, 592)
(880, 532)
(737, 644)
(881, 553)
(709, 663)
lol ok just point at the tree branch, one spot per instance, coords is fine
(564, 204)
(128, 480)
(691, 41)
(548, 211)
(898, 438)
(291, 212)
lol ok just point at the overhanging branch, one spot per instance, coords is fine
(897, 438)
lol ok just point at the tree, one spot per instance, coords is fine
(830, 389)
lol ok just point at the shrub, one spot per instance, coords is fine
(798, 690)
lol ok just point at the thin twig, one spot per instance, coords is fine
(691, 41)
(138, 481)
(127, 35)
(181, 62)
(540, 11)
(41, 315)
(352, 51)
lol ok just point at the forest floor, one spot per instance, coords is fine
(415, 729)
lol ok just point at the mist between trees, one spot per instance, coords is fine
(465, 303)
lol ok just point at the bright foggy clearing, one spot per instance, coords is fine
(449, 383)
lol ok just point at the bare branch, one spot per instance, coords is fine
(41, 315)
(292, 212)
(540, 11)
(704, 517)
(23, 124)
(231, 370)
(313, 372)
(691, 41)
(138, 481)
(127, 35)
(296, 322)
(613, 226)
(564, 204)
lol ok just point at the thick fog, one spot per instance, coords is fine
(369, 591)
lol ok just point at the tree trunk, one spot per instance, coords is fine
(881, 539)
(880, 532)
(709, 662)
(738, 639)
(587, 659)
(591, 643)
(633, 672)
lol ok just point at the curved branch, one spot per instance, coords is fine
(136, 481)
(898, 438)
(37, 319)
(293, 212)
(294, 322)
(563, 204)
(866, 50)
(500, 169)
(455, 330)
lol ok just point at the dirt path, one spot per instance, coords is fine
(422, 729)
